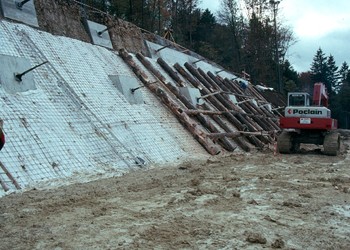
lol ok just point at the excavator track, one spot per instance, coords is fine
(331, 143)
(284, 143)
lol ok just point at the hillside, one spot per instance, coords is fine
(107, 104)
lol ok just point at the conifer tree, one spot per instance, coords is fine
(343, 72)
(319, 69)
(332, 74)
(341, 104)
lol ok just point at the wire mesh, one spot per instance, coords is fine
(76, 122)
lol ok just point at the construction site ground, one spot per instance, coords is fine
(242, 201)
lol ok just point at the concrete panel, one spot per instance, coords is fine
(26, 14)
(268, 106)
(192, 94)
(129, 87)
(9, 67)
(254, 102)
(102, 39)
(233, 99)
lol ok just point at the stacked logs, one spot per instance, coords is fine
(218, 119)
(185, 119)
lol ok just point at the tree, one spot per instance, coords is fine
(258, 8)
(151, 14)
(290, 78)
(343, 72)
(332, 74)
(319, 71)
(231, 16)
(344, 104)
(204, 36)
(259, 52)
(340, 104)
(259, 43)
(290, 86)
(184, 20)
(205, 27)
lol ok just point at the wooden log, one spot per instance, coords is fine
(205, 112)
(253, 123)
(170, 72)
(234, 87)
(226, 143)
(240, 133)
(195, 83)
(191, 125)
(154, 71)
(247, 107)
(212, 80)
(256, 93)
(3, 185)
(222, 104)
(214, 112)
(9, 175)
(263, 109)
(205, 122)
(217, 119)
(201, 118)
(262, 120)
(241, 143)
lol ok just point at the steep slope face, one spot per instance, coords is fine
(76, 122)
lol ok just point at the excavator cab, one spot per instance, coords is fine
(297, 99)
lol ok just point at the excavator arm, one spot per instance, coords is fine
(320, 96)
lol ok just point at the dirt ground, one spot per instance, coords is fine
(242, 201)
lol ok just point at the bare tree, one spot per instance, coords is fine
(231, 15)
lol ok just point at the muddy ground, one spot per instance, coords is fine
(242, 201)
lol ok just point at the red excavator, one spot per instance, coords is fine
(309, 123)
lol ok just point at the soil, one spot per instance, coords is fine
(241, 201)
(67, 18)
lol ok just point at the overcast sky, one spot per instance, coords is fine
(316, 24)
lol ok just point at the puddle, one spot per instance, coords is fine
(343, 210)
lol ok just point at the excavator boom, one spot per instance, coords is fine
(320, 96)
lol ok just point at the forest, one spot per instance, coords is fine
(245, 36)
